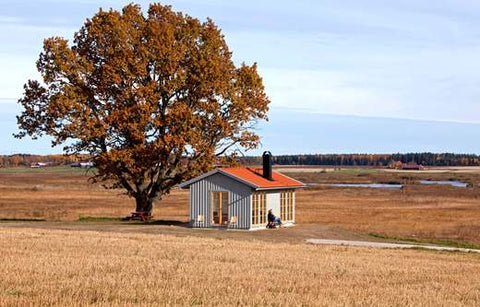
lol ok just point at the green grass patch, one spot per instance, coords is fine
(98, 219)
(441, 242)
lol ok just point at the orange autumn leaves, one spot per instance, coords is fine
(153, 98)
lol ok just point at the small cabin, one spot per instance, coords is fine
(240, 197)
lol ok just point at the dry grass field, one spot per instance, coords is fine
(63, 261)
(416, 212)
(73, 268)
(65, 194)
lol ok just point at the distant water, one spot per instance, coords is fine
(360, 185)
(452, 183)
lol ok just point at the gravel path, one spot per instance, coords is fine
(389, 245)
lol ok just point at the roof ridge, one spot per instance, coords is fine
(252, 177)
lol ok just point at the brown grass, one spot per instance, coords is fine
(71, 268)
(412, 214)
(66, 197)
(419, 211)
(435, 212)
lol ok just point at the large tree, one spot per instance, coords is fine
(153, 99)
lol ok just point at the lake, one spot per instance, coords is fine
(453, 183)
(360, 185)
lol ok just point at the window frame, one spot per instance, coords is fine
(286, 205)
(259, 208)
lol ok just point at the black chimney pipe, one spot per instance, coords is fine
(267, 165)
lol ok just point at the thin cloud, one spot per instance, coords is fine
(373, 58)
(11, 20)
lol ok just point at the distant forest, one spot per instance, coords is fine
(423, 158)
(27, 160)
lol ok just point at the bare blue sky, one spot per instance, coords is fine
(343, 76)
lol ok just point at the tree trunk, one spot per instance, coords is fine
(144, 204)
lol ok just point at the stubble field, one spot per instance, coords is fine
(68, 268)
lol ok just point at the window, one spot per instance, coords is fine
(259, 208)
(219, 207)
(283, 206)
(286, 205)
(290, 206)
(263, 205)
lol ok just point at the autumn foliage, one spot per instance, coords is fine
(154, 98)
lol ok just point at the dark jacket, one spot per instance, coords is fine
(271, 217)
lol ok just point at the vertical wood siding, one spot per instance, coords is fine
(239, 197)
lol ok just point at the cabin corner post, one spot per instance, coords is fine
(294, 206)
(208, 209)
(249, 211)
(191, 209)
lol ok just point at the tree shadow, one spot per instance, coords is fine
(21, 220)
(163, 223)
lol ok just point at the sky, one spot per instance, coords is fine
(343, 76)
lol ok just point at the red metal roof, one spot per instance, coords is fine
(254, 176)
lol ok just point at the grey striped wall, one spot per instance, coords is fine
(239, 200)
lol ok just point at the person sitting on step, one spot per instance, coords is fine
(272, 220)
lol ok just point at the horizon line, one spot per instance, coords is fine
(298, 154)
(310, 111)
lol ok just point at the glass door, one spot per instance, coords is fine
(219, 201)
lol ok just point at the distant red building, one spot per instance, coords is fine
(39, 164)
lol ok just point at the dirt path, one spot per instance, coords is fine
(389, 245)
(294, 235)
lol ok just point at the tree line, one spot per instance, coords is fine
(27, 160)
(422, 158)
